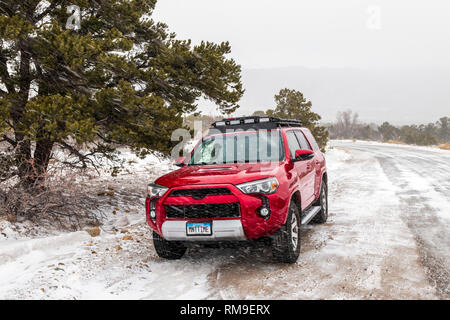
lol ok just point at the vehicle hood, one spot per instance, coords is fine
(219, 174)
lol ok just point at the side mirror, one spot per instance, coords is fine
(303, 154)
(180, 162)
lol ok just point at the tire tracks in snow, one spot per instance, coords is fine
(423, 181)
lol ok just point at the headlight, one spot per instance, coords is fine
(266, 186)
(155, 190)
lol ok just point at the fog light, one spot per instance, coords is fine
(153, 214)
(264, 212)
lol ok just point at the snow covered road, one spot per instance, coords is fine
(420, 177)
(388, 237)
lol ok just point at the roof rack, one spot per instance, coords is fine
(254, 122)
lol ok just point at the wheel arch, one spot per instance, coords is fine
(325, 178)
(297, 198)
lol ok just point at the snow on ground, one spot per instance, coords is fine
(367, 249)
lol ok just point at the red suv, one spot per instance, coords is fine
(248, 178)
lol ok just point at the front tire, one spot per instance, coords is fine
(286, 243)
(171, 250)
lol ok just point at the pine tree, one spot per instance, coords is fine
(117, 78)
(291, 104)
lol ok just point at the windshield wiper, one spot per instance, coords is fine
(202, 164)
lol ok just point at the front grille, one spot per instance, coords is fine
(203, 211)
(200, 193)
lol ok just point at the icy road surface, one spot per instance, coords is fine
(387, 237)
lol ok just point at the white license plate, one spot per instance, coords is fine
(199, 228)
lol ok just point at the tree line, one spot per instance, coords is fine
(348, 126)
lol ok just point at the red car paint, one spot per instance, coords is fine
(298, 180)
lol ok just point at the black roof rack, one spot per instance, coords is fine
(253, 122)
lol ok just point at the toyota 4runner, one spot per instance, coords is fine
(248, 178)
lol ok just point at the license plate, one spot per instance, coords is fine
(199, 228)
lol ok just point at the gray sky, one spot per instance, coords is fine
(319, 33)
(397, 46)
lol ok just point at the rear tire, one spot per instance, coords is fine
(322, 216)
(286, 242)
(171, 250)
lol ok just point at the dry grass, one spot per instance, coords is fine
(395, 142)
(445, 146)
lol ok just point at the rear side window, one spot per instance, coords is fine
(311, 139)
(292, 142)
(302, 140)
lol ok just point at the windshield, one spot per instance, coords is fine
(242, 147)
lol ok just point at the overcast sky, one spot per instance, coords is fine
(385, 59)
(319, 33)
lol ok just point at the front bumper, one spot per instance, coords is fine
(221, 230)
(249, 224)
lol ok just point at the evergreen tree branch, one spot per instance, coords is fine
(5, 76)
(47, 11)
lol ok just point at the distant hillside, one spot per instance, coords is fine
(399, 96)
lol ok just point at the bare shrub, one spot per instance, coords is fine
(61, 197)
(347, 124)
